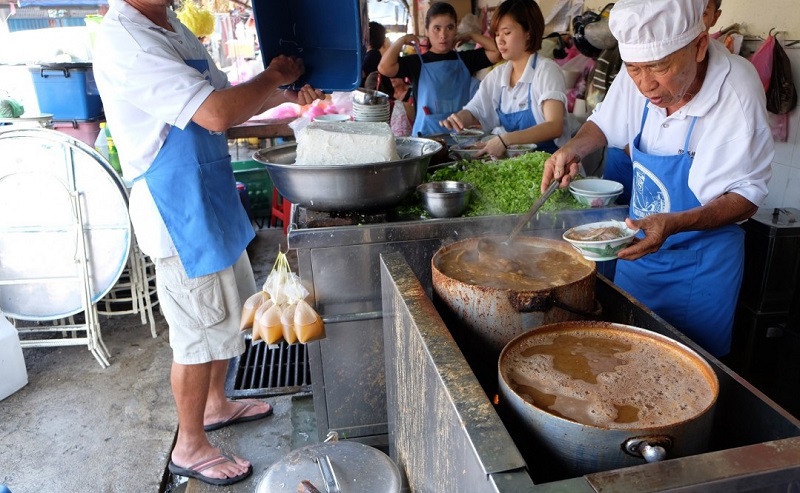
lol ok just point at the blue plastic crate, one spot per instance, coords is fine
(68, 91)
(326, 35)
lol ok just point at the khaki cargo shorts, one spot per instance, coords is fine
(204, 313)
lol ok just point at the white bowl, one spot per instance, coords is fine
(332, 118)
(595, 192)
(600, 249)
(467, 137)
(515, 150)
(596, 186)
(467, 152)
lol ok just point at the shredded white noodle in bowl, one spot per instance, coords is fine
(600, 241)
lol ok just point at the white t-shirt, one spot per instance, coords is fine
(146, 88)
(543, 83)
(731, 141)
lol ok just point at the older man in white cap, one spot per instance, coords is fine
(695, 119)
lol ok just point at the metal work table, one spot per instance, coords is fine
(340, 266)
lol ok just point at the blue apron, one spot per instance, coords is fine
(520, 120)
(192, 183)
(693, 280)
(444, 88)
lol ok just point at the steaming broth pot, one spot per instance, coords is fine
(518, 266)
(491, 292)
(594, 393)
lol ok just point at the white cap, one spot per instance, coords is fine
(649, 30)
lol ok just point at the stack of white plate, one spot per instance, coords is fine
(378, 112)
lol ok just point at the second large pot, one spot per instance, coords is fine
(485, 315)
(597, 396)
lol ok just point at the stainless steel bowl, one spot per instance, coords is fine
(349, 187)
(445, 198)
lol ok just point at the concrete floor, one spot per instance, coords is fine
(77, 427)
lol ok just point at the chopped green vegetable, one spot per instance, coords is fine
(507, 186)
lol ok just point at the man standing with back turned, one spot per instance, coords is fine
(169, 107)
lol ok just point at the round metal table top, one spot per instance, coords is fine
(358, 468)
(44, 174)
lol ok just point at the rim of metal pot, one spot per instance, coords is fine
(429, 148)
(597, 324)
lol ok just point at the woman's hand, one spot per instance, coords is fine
(410, 39)
(494, 147)
(453, 122)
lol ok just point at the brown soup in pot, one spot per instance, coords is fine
(518, 266)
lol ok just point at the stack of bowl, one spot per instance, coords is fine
(595, 192)
(371, 106)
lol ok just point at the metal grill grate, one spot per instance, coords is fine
(263, 371)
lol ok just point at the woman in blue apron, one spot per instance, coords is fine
(441, 77)
(527, 95)
(693, 280)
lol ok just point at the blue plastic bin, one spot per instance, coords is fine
(68, 91)
(326, 35)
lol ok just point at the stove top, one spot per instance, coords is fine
(305, 218)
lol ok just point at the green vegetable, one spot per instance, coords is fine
(507, 186)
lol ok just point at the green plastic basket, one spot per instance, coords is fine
(259, 185)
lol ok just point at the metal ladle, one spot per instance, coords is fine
(534, 209)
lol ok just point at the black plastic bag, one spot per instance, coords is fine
(781, 93)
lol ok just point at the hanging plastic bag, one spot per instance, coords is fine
(285, 314)
(287, 323)
(250, 307)
(270, 322)
(307, 323)
(762, 60)
(781, 93)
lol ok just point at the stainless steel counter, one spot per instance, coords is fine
(446, 435)
(340, 267)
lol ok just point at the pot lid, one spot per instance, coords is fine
(358, 468)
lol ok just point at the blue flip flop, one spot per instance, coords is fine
(238, 417)
(195, 470)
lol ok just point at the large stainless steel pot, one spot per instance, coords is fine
(487, 318)
(353, 187)
(541, 375)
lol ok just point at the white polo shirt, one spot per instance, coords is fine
(731, 141)
(543, 83)
(146, 88)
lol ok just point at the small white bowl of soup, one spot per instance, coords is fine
(600, 241)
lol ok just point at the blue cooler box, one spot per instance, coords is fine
(67, 90)
(326, 35)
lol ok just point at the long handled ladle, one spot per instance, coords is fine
(534, 209)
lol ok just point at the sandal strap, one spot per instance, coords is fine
(211, 462)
